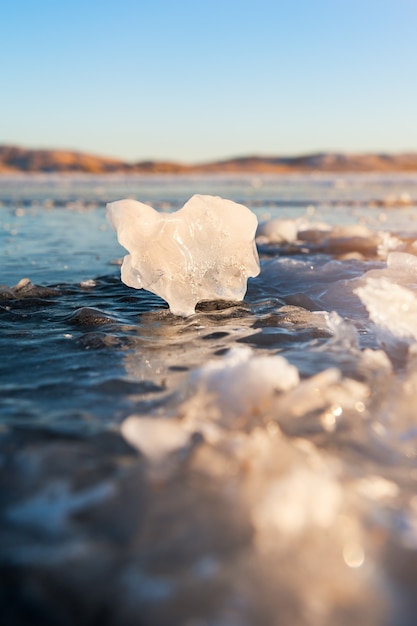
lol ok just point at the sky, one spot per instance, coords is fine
(195, 81)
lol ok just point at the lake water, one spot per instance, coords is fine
(255, 463)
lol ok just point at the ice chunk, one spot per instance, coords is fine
(241, 384)
(388, 242)
(353, 239)
(328, 392)
(26, 289)
(392, 307)
(403, 264)
(154, 437)
(345, 335)
(204, 251)
(278, 231)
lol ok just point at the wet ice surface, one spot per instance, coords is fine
(255, 463)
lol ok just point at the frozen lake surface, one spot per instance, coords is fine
(254, 463)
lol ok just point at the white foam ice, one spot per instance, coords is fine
(204, 251)
(242, 383)
(244, 387)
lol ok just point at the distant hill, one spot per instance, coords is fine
(14, 159)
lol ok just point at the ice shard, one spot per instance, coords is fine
(204, 251)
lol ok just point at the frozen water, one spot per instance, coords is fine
(205, 251)
(253, 463)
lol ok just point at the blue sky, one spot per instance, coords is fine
(195, 81)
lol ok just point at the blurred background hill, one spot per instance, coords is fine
(14, 159)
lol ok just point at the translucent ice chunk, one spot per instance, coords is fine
(392, 307)
(204, 251)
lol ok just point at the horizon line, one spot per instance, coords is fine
(200, 162)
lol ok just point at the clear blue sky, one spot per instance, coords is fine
(198, 80)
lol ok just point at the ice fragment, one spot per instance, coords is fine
(392, 307)
(242, 383)
(155, 438)
(278, 231)
(204, 251)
